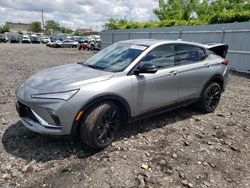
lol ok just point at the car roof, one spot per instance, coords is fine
(150, 42)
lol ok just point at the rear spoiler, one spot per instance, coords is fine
(218, 48)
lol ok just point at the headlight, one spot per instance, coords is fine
(65, 95)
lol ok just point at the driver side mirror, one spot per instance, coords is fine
(146, 68)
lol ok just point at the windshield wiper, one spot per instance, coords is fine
(93, 66)
(96, 67)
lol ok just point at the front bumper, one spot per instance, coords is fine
(26, 41)
(36, 123)
(36, 127)
(46, 116)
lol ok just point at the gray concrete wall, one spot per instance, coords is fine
(236, 35)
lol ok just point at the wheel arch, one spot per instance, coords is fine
(216, 78)
(121, 102)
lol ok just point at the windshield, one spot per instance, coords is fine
(116, 57)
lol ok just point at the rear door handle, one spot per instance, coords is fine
(207, 65)
(172, 73)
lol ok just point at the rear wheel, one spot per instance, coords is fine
(101, 125)
(210, 98)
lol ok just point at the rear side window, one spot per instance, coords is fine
(161, 56)
(186, 54)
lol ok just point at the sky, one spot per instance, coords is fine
(77, 14)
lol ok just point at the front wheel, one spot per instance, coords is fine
(210, 98)
(101, 125)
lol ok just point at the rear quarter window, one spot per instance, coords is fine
(186, 54)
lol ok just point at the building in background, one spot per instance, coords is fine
(24, 28)
(88, 32)
(18, 27)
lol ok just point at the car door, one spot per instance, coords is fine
(65, 44)
(194, 70)
(153, 91)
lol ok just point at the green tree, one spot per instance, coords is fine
(188, 7)
(178, 13)
(78, 33)
(176, 9)
(170, 9)
(36, 27)
(202, 10)
(111, 24)
(66, 30)
(4, 28)
(182, 9)
(51, 24)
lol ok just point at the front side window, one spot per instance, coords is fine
(161, 57)
(115, 58)
(186, 54)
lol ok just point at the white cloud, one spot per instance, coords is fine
(77, 13)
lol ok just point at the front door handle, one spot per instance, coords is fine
(172, 73)
(207, 65)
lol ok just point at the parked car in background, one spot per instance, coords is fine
(94, 45)
(26, 39)
(124, 82)
(63, 44)
(55, 38)
(83, 40)
(69, 44)
(4, 38)
(95, 37)
(34, 39)
(14, 39)
(83, 46)
(90, 44)
(51, 42)
(45, 40)
(55, 44)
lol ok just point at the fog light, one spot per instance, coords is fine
(54, 117)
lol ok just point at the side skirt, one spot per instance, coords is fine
(162, 110)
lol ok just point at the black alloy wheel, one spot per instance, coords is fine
(210, 98)
(107, 126)
(101, 124)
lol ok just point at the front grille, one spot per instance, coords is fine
(25, 111)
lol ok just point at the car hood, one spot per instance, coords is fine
(66, 77)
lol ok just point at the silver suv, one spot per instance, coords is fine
(125, 81)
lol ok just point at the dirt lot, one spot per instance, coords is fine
(182, 148)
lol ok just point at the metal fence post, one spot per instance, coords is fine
(113, 37)
(149, 35)
(222, 35)
(180, 34)
(128, 35)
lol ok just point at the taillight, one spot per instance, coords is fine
(225, 62)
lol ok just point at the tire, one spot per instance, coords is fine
(210, 98)
(99, 128)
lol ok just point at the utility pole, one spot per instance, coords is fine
(42, 20)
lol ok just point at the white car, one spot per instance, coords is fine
(55, 44)
(26, 39)
(45, 40)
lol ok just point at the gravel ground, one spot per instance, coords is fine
(182, 148)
